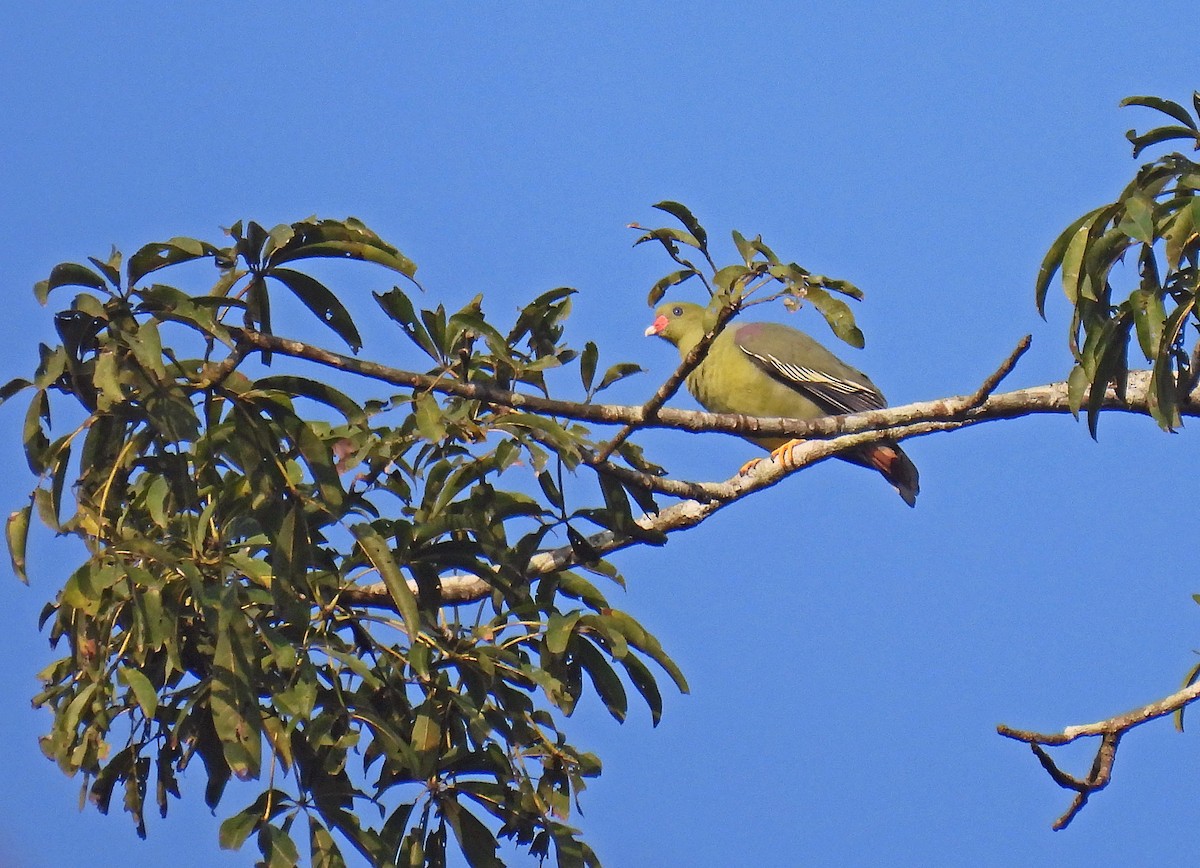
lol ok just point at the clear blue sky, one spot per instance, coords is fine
(849, 658)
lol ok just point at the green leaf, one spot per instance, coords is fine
(584, 551)
(111, 268)
(338, 239)
(475, 840)
(1157, 136)
(559, 629)
(684, 216)
(323, 303)
(1139, 218)
(1164, 403)
(1073, 276)
(427, 733)
(290, 553)
(258, 309)
(553, 495)
(1149, 316)
(325, 852)
(152, 257)
(17, 534)
(237, 828)
(726, 277)
(642, 679)
(12, 387)
(1077, 384)
(278, 847)
(429, 417)
(1052, 261)
(235, 712)
(604, 678)
(318, 457)
(143, 690)
(845, 287)
(106, 377)
(146, 344)
(67, 274)
(399, 308)
(1188, 681)
(664, 283)
(1166, 106)
(745, 248)
(1111, 352)
(669, 238)
(1180, 233)
(569, 852)
(587, 364)
(277, 237)
(318, 391)
(380, 555)
(838, 314)
(618, 372)
(640, 638)
(32, 434)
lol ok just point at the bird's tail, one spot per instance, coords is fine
(897, 468)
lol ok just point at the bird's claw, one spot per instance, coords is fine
(782, 454)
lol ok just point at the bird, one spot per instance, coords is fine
(772, 370)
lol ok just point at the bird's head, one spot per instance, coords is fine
(678, 322)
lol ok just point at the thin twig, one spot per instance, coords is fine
(668, 389)
(701, 491)
(989, 385)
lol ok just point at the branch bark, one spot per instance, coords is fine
(967, 409)
(1110, 732)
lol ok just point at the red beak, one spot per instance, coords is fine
(656, 327)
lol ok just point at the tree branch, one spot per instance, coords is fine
(849, 432)
(1050, 398)
(1006, 367)
(1110, 732)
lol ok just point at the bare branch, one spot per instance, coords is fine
(1109, 731)
(989, 385)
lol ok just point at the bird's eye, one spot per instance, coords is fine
(677, 311)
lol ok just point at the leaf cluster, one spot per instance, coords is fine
(226, 512)
(761, 273)
(1155, 223)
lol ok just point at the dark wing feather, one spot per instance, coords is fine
(836, 395)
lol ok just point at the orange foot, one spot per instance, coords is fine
(782, 453)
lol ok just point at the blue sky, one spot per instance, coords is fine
(849, 658)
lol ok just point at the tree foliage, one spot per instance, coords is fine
(1157, 220)
(271, 567)
(228, 514)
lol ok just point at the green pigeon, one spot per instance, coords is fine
(772, 370)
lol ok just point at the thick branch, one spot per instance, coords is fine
(1110, 732)
(1051, 398)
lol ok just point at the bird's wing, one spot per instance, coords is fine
(836, 395)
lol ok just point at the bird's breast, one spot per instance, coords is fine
(734, 384)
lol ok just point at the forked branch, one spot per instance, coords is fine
(1110, 732)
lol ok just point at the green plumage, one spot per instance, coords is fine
(772, 370)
